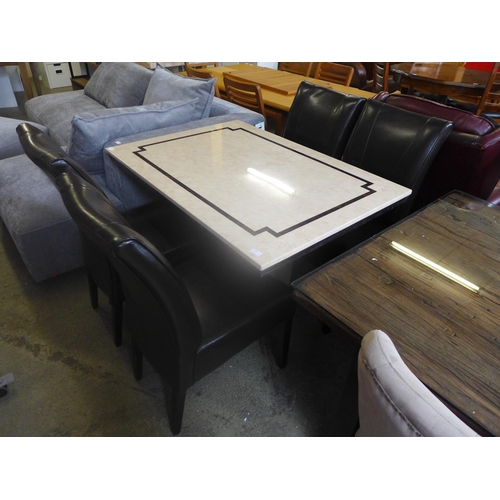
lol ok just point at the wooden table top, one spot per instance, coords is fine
(205, 172)
(440, 78)
(447, 334)
(278, 87)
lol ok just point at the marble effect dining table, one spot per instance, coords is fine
(214, 175)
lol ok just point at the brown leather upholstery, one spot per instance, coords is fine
(469, 159)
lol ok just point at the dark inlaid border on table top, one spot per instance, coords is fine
(366, 183)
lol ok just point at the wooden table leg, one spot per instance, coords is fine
(36, 77)
(25, 79)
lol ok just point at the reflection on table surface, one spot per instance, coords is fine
(446, 330)
(451, 73)
(209, 172)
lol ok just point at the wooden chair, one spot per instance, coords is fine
(489, 103)
(249, 95)
(382, 79)
(490, 100)
(197, 73)
(298, 68)
(335, 73)
(200, 65)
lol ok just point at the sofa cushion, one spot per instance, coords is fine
(91, 131)
(167, 86)
(39, 224)
(56, 111)
(9, 140)
(118, 84)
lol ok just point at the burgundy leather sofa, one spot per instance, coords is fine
(469, 160)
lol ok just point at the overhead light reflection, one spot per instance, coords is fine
(435, 267)
(271, 180)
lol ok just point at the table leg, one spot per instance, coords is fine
(25, 79)
(346, 420)
(36, 77)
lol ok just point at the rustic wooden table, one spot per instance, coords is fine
(448, 334)
(444, 79)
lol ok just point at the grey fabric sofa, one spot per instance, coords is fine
(122, 102)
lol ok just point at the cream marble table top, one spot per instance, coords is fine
(204, 171)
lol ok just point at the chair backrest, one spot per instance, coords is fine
(396, 144)
(198, 65)
(360, 76)
(248, 95)
(322, 119)
(206, 75)
(77, 194)
(490, 100)
(44, 152)
(393, 402)
(161, 313)
(381, 72)
(335, 73)
(298, 68)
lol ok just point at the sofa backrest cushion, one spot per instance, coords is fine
(91, 131)
(469, 159)
(463, 121)
(119, 84)
(168, 86)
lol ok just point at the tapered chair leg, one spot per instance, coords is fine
(93, 292)
(283, 346)
(136, 357)
(117, 321)
(174, 399)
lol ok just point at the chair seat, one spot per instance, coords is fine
(227, 331)
(169, 229)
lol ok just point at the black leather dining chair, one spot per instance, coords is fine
(187, 319)
(396, 144)
(162, 223)
(322, 119)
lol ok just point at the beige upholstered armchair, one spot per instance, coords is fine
(393, 401)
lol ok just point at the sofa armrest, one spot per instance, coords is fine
(9, 140)
(486, 173)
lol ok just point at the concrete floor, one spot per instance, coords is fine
(70, 379)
